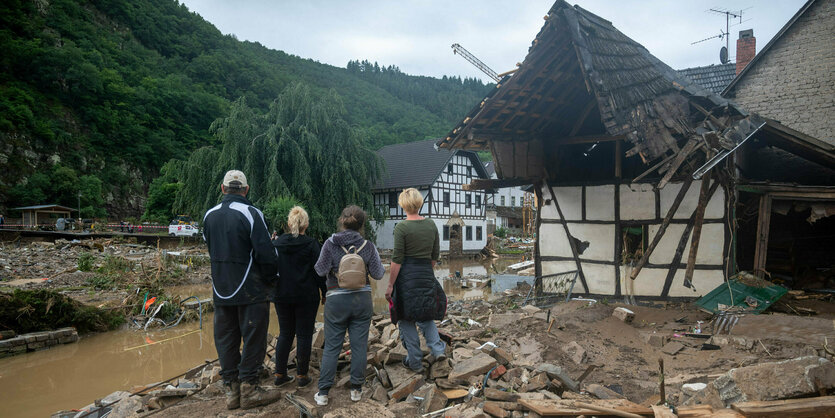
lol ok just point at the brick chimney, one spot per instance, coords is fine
(746, 48)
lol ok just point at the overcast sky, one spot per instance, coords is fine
(416, 35)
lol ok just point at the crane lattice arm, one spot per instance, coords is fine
(458, 49)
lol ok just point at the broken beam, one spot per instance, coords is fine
(664, 224)
(697, 228)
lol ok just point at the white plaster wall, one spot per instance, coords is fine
(711, 244)
(570, 200)
(715, 208)
(650, 282)
(552, 241)
(385, 234)
(637, 201)
(600, 203)
(601, 240)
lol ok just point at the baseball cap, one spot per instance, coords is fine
(234, 178)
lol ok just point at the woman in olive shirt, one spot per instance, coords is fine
(416, 248)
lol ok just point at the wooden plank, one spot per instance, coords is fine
(661, 411)
(704, 197)
(566, 407)
(664, 224)
(823, 406)
(695, 411)
(571, 241)
(680, 248)
(588, 139)
(761, 243)
(678, 161)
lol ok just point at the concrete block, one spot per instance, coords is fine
(624, 314)
(577, 352)
(433, 401)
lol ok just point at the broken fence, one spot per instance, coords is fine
(548, 289)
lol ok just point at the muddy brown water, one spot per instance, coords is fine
(74, 375)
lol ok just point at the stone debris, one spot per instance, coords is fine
(492, 372)
(36, 341)
(623, 314)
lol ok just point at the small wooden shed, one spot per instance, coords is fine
(32, 214)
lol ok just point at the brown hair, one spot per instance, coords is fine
(353, 217)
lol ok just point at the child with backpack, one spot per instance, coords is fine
(346, 260)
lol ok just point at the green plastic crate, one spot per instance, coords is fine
(765, 296)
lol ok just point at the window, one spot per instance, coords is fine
(449, 168)
(468, 200)
(512, 201)
(446, 232)
(503, 203)
(478, 201)
(470, 170)
(478, 233)
(446, 199)
(392, 199)
(469, 233)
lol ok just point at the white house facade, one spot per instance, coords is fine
(439, 176)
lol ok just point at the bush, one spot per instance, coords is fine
(85, 261)
(501, 232)
(39, 310)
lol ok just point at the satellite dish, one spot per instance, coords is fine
(723, 55)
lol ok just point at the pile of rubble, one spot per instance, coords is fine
(510, 361)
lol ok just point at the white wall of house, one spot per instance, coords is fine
(385, 234)
(590, 214)
(447, 197)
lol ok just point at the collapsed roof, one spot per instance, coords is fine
(583, 81)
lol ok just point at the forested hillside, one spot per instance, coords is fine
(96, 95)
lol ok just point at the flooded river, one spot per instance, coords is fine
(73, 375)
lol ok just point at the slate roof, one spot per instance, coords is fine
(417, 164)
(712, 77)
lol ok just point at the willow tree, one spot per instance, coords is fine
(301, 150)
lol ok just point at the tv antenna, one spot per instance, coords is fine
(729, 14)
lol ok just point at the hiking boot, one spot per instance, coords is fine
(253, 395)
(282, 379)
(303, 380)
(233, 394)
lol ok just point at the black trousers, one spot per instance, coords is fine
(295, 320)
(241, 322)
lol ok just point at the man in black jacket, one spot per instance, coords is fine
(244, 270)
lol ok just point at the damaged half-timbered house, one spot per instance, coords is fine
(633, 164)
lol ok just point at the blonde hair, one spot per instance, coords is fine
(410, 200)
(297, 220)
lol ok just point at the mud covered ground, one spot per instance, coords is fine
(626, 355)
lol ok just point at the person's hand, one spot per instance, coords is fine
(274, 235)
(388, 293)
(323, 300)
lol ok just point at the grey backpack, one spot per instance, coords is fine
(352, 271)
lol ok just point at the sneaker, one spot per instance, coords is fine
(321, 400)
(253, 395)
(303, 380)
(232, 390)
(283, 379)
(356, 395)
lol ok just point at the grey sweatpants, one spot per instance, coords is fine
(349, 312)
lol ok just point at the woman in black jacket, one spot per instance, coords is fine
(296, 296)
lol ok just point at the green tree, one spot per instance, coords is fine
(300, 152)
